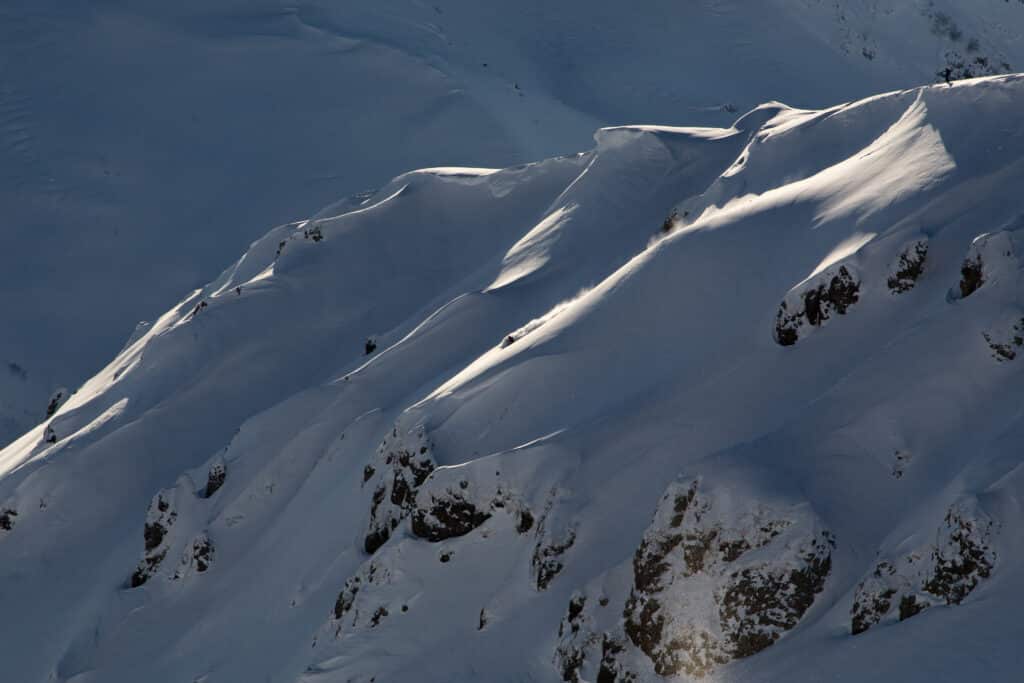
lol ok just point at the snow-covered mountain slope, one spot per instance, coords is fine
(144, 144)
(700, 403)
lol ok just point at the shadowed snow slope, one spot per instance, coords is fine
(715, 403)
(144, 144)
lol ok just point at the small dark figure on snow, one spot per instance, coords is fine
(947, 73)
(371, 346)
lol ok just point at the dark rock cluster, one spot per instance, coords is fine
(833, 294)
(403, 464)
(944, 572)
(752, 602)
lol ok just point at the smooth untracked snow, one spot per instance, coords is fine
(697, 402)
(144, 144)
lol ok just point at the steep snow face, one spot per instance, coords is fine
(692, 404)
(149, 142)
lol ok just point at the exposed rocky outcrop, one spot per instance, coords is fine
(215, 478)
(670, 222)
(56, 400)
(943, 572)
(160, 517)
(585, 651)
(901, 460)
(447, 515)
(442, 503)
(990, 258)
(575, 637)
(957, 66)
(1005, 343)
(201, 556)
(759, 603)
(199, 308)
(814, 302)
(555, 537)
(455, 501)
(312, 232)
(700, 598)
(547, 559)
(611, 669)
(972, 275)
(909, 266)
(403, 463)
(171, 546)
(356, 606)
(7, 516)
(347, 596)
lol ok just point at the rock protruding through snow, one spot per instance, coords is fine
(813, 303)
(160, 519)
(991, 258)
(702, 596)
(403, 462)
(909, 266)
(945, 571)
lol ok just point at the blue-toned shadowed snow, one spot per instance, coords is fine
(145, 144)
(805, 326)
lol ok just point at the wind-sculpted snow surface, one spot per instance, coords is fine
(148, 142)
(696, 404)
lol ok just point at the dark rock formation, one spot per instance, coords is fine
(356, 600)
(972, 275)
(403, 464)
(449, 516)
(314, 233)
(909, 267)
(830, 293)
(202, 553)
(547, 559)
(159, 519)
(56, 400)
(215, 479)
(574, 639)
(743, 605)
(7, 516)
(1006, 344)
(944, 572)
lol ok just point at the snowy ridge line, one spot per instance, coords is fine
(757, 419)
